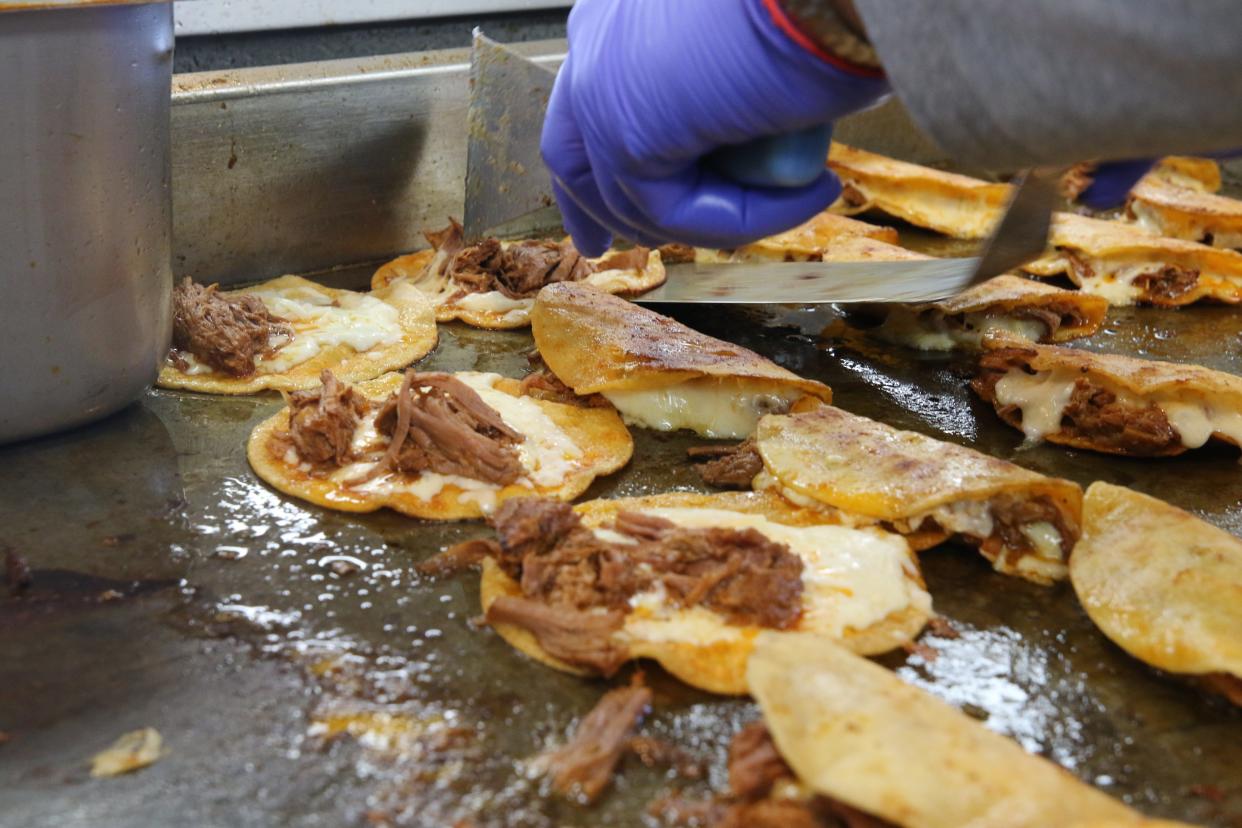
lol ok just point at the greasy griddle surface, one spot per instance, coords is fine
(174, 590)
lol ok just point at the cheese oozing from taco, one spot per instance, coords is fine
(433, 445)
(1162, 585)
(280, 335)
(689, 579)
(1106, 402)
(659, 373)
(1023, 522)
(1127, 264)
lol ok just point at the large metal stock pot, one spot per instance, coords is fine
(85, 208)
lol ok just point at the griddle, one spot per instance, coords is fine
(302, 673)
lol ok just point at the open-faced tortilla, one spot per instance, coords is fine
(659, 373)
(952, 204)
(1107, 402)
(562, 449)
(1172, 209)
(1126, 264)
(1163, 585)
(811, 241)
(1023, 522)
(855, 732)
(860, 587)
(501, 303)
(357, 336)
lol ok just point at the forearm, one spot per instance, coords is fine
(1008, 85)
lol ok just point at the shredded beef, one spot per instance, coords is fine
(1167, 284)
(738, 573)
(728, 467)
(1092, 413)
(520, 269)
(466, 555)
(852, 196)
(1011, 512)
(677, 253)
(1076, 180)
(566, 569)
(755, 767)
(755, 764)
(225, 332)
(322, 421)
(583, 639)
(544, 385)
(660, 753)
(528, 527)
(437, 423)
(584, 766)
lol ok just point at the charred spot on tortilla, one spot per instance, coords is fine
(492, 283)
(1106, 402)
(434, 445)
(659, 373)
(283, 334)
(1023, 522)
(688, 580)
(1162, 585)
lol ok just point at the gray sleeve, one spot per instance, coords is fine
(1003, 85)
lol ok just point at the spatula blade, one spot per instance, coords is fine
(922, 280)
(505, 175)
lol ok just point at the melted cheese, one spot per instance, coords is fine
(320, 321)
(547, 453)
(934, 332)
(1042, 398)
(852, 578)
(707, 406)
(967, 517)
(493, 301)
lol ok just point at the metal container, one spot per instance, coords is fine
(85, 272)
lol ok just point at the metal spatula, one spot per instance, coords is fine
(507, 182)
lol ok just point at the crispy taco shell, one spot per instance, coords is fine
(900, 478)
(605, 443)
(711, 654)
(853, 731)
(952, 204)
(1163, 585)
(1189, 403)
(1023, 307)
(1126, 264)
(415, 317)
(812, 241)
(595, 342)
(1180, 212)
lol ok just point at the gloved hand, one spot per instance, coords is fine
(652, 88)
(1112, 181)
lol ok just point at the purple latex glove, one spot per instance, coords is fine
(652, 87)
(1112, 181)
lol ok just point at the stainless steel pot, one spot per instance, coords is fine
(85, 208)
